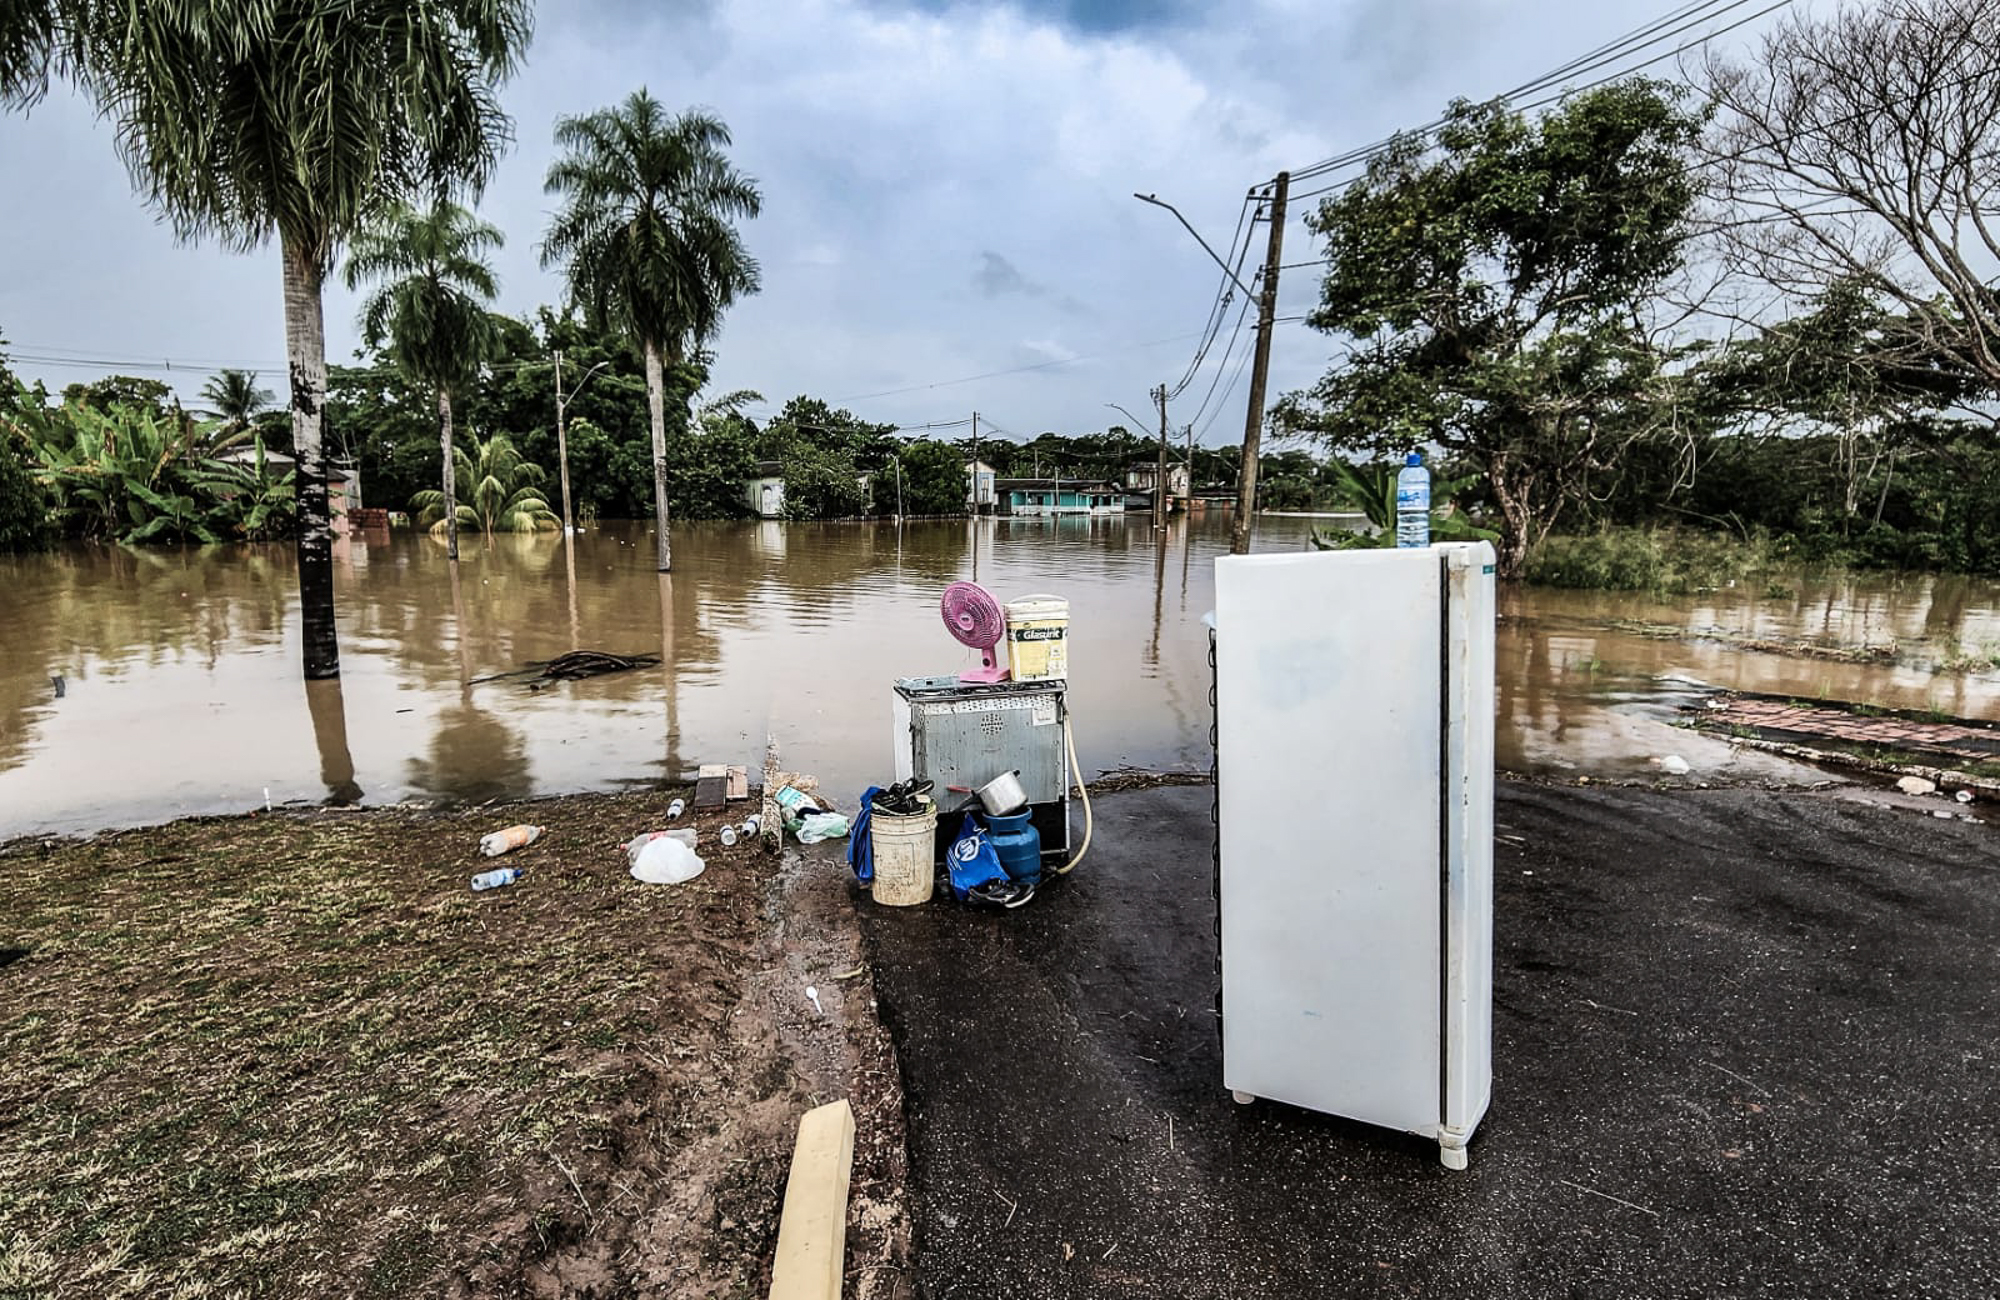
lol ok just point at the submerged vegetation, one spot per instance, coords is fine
(133, 474)
(502, 492)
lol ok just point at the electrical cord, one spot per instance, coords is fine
(1069, 743)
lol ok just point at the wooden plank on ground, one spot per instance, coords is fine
(812, 1234)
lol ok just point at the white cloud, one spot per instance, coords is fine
(897, 149)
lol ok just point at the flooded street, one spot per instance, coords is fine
(180, 688)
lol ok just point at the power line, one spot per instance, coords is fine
(1018, 370)
(1219, 310)
(1618, 48)
(1584, 64)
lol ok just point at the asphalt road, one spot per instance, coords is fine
(1745, 1044)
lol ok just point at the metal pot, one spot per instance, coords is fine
(1003, 794)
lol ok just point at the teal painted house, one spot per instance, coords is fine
(1054, 496)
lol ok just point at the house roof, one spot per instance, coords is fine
(1051, 484)
(770, 469)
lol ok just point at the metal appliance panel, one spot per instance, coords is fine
(1330, 753)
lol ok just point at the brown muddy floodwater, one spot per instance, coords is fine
(183, 692)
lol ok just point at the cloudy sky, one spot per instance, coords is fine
(948, 215)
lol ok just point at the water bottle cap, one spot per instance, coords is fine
(1414, 458)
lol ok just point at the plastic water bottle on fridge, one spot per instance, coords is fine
(1413, 502)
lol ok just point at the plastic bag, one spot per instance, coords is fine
(639, 842)
(972, 860)
(667, 862)
(822, 826)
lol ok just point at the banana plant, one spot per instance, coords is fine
(131, 476)
(1371, 489)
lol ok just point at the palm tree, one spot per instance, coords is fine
(506, 494)
(289, 118)
(430, 308)
(235, 398)
(644, 236)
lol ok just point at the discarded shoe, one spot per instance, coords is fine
(1001, 893)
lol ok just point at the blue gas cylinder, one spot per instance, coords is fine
(1017, 843)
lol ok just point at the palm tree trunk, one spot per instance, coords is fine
(450, 475)
(305, 356)
(656, 400)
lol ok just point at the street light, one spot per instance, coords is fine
(1158, 202)
(562, 431)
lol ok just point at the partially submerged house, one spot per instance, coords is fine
(1059, 496)
(979, 489)
(1142, 476)
(765, 493)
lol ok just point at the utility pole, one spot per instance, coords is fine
(562, 444)
(975, 463)
(1260, 371)
(1160, 501)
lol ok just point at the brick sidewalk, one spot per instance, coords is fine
(1893, 733)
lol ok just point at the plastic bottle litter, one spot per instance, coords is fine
(676, 808)
(667, 861)
(637, 844)
(727, 835)
(514, 837)
(494, 879)
(1413, 502)
(822, 826)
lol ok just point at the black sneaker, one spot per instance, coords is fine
(1001, 893)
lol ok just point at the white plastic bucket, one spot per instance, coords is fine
(904, 850)
(1038, 638)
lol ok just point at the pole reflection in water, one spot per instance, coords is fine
(569, 564)
(327, 706)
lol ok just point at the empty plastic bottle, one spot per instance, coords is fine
(1413, 502)
(514, 837)
(727, 835)
(676, 808)
(494, 879)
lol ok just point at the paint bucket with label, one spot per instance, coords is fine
(1038, 638)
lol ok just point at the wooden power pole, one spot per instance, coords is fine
(1160, 501)
(1260, 372)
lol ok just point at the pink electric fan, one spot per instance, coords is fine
(974, 617)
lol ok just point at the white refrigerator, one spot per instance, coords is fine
(1354, 713)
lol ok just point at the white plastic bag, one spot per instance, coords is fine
(667, 862)
(822, 826)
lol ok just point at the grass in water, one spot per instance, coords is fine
(1667, 561)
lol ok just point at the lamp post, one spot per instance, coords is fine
(562, 431)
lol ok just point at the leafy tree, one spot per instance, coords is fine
(430, 308)
(234, 397)
(505, 495)
(149, 395)
(933, 480)
(285, 118)
(1858, 148)
(1491, 287)
(645, 238)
